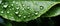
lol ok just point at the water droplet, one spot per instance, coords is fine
(13, 1)
(23, 9)
(41, 7)
(16, 12)
(28, 16)
(19, 15)
(7, 11)
(2, 12)
(12, 8)
(5, 16)
(17, 8)
(23, 5)
(12, 18)
(36, 13)
(16, 2)
(24, 16)
(28, 7)
(5, 6)
(9, 6)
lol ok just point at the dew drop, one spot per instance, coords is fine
(17, 8)
(23, 9)
(16, 12)
(7, 11)
(5, 6)
(23, 5)
(11, 4)
(16, 2)
(36, 13)
(13, 1)
(12, 18)
(2, 12)
(12, 8)
(41, 7)
(24, 16)
(5, 16)
(28, 7)
(19, 15)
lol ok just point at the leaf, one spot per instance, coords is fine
(19, 11)
(54, 11)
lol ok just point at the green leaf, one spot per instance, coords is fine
(54, 11)
(19, 11)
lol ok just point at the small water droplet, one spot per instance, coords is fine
(17, 8)
(5, 6)
(11, 4)
(12, 18)
(23, 5)
(41, 7)
(28, 7)
(19, 15)
(23, 9)
(13, 1)
(16, 12)
(5, 16)
(12, 8)
(2, 12)
(28, 16)
(16, 2)
(24, 16)
(7, 11)
(36, 13)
